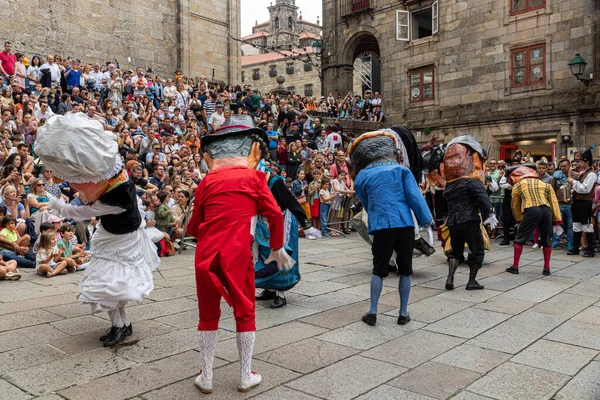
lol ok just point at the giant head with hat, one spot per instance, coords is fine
(80, 151)
(432, 159)
(237, 142)
(516, 173)
(464, 158)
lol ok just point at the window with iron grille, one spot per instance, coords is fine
(528, 65)
(273, 71)
(422, 83)
(308, 67)
(523, 6)
(360, 5)
(256, 74)
(289, 68)
(291, 89)
(308, 90)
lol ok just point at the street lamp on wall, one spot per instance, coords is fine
(577, 65)
(317, 48)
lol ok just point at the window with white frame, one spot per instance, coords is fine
(417, 24)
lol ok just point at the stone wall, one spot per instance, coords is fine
(298, 80)
(159, 34)
(471, 55)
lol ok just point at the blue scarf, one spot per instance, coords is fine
(560, 177)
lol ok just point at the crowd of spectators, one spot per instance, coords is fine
(158, 123)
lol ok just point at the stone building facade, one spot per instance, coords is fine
(496, 69)
(165, 35)
(261, 71)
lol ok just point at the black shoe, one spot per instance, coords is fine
(513, 270)
(103, 337)
(504, 243)
(473, 284)
(115, 336)
(129, 332)
(369, 319)
(573, 252)
(404, 320)
(278, 302)
(267, 295)
(546, 272)
(588, 254)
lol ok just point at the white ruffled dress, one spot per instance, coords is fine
(121, 266)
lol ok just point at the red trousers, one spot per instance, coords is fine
(234, 273)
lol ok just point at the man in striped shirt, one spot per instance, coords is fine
(534, 204)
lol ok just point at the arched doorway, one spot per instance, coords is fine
(363, 53)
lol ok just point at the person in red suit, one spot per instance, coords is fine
(226, 205)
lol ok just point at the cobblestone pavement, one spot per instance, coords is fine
(524, 337)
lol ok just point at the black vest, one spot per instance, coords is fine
(123, 196)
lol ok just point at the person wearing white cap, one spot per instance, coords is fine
(79, 151)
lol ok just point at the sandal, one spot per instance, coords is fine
(347, 231)
(12, 276)
(334, 234)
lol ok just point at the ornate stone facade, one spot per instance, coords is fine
(497, 69)
(162, 34)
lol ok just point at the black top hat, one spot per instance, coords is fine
(432, 159)
(510, 170)
(236, 124)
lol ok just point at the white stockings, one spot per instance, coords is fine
(245, 345)
(208, 346)
(115, 318)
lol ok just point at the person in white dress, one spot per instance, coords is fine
(79, 151)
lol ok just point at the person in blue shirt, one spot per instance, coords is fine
(388, 192)
(73, 75)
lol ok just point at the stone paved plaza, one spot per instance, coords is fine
(524, 337)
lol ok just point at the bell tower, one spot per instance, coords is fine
(284, 15)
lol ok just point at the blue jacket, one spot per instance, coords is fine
(388, 191)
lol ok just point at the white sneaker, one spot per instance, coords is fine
(535, 246)
(249, 384)
(205, 385)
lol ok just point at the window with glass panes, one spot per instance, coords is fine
(528, 65)
(421, 84)
(521, 6)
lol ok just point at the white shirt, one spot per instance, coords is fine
(97, 79)
(587, 185)
(333, 139)
(38, 114)
(216, 119)
(135, 79)
(54, 72)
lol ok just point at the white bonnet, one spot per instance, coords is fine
(77, 149)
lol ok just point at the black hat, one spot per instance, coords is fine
(236, 124)
(587, 155)
(432, 159)
(470, 141)
(510, 170)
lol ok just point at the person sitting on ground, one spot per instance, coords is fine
(9, 271)
(48, 258)
(44, 227)
(9, 232)
(73, 255)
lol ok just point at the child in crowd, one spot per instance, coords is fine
(299, 189)
(73, 255)
(313, 197)
(44, 227)
(56, 223)
(48, 260)
(8, 270)
(288, 183)
(9, 232)
(325, 204)
(164, 218)
(340, 191)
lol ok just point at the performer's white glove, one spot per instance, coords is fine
(492, 221)
(430, 235)
(557, 230)
(312, 233)
(281, 257)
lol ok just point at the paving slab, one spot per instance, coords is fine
(391, 392)
(328, 301)
(157, 347)
(307, 355)
(83, 367)
(364, 291)
(317, 288)
(564, 304)
(27, 357)
(585, 385)
(342, 316)
(538, 290)
(582, 270)
(182, 320)
(577, 333)
(472, 296)
(515, 334)
(590, 315)
(139, 379)
(159, 309)
(473, 358)
(270, 339)
(506, 305)
(70, 310)
(23, 319)
(506, 281)
(442, 380)
(468, 323)
(29, 336)
(282, 392)
(347, 379)
(555, 356)
(585, 289)
(434, 308)
(414, 348)
(362, 336)
(23, 290)
(171, 293)
(525, 383)
(321, 276)
(355, 279)
(464, 395)
(225, 381)
(10, 392)
(32, 304)
(79, 325)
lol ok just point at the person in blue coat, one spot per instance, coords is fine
(388, 192)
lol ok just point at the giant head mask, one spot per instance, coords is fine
(464, 158)
(431, 166)
(238, 142)
(519, 172)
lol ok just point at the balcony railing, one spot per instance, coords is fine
(357, 6)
